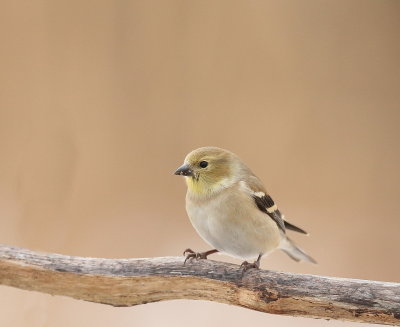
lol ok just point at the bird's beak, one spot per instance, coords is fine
(184, 170)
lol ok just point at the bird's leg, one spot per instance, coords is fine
(255, 265)
(190, 254)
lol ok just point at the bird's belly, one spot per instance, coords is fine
(235, 234)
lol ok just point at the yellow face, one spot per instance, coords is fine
(206, 169)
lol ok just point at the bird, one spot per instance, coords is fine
(231, 210)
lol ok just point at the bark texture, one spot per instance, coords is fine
(128, 282)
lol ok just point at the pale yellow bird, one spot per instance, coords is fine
(231, 210)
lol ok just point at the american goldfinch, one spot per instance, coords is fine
(231, 210)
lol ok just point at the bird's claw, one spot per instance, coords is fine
(190, 255)
(247, 265)
(188, 251)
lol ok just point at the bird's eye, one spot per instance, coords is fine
(203, 164)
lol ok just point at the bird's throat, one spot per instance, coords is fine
(197, 186)
(205, 187)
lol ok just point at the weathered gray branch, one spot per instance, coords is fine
(128, 282)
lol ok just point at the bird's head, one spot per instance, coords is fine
(208, 170)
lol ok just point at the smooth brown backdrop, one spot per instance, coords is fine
(101, 100)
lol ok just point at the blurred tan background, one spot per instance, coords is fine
(101, 100)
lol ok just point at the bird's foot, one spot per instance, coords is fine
(247, 265)
(190, 254)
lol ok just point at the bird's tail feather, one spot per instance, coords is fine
(293, 251)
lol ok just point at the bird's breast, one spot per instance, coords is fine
(204, 215)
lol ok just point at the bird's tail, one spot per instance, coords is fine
(293, 251)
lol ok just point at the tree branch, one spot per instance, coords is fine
(128, 282)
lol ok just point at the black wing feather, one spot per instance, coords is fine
(295, 228)
(264, 202)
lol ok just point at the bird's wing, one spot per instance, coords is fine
(294, 228)
(265, 203)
